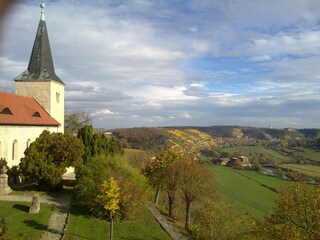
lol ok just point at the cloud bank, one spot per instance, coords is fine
(131, 63)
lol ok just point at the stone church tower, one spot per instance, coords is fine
(40, 81)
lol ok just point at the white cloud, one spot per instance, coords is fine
(260, 58)
(158, 63)
(103, 112)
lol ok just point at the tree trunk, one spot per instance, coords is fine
(111, 226)
(156, 200)
(187, 223)
(171, 202)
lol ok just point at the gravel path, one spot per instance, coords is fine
(58, 218)
(167, 226)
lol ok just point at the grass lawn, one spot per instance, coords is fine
(247, 195)
(82, 226)
(309, 170)
(22, 225)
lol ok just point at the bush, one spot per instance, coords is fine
(218, 220)
(2, 228)
(101, 168)
(47, 158)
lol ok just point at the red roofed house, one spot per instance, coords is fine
(37, 105)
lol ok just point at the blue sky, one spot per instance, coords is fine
(135, 63)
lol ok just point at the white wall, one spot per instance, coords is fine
(21, 134)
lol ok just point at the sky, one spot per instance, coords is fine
(133, 63)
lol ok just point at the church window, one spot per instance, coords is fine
(28, 142)
(15, 150)
(36, 114)
(58, 97)
(6, 110)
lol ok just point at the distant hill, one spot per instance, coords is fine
(256, 133)
(155, 139)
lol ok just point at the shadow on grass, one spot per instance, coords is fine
(80, 209)
(78, 236)
(21, 207)
(39, 226)
(36, 225)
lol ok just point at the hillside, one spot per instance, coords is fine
(256, 133)
(155, 139)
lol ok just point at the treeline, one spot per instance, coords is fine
(150, 139)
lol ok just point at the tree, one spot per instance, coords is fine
(47, 158)
(97, 143)
(157, 170)
(218, 220)
(109, 198)
(75, 121)
(195, 182)
(102, 168)
(172, 184)
(296, 215)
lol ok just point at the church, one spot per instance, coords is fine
(38, 103)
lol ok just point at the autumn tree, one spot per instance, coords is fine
(296, 215)
(195, 182)
(47, 158)
(172, 184)
(109, 197)
(219, 220)
(157, 170)
(101, 168)
(73, 122)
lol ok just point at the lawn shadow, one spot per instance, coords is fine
(36, 225)
(77, 235)
(21, 207)
(80, 209)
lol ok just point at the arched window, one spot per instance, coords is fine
(15, 150)
(28, 143)
(58, 97)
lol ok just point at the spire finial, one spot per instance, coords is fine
(42, 5)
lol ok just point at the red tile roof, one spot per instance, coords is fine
(19, 110)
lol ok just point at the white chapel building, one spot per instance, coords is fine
(37, 105)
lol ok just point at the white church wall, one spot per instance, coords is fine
(15, 139)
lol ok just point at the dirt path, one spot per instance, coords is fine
(167, 226)
(58, 218)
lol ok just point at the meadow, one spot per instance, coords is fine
(257, 152)
(309, 170)
(82, 226)
(249, 191)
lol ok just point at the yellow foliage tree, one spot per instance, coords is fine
(109, 198)
(296, 216)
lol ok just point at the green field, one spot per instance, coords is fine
(305, 153)
(247, 190)
(257, 151)
(22, 225)
(309, 170)
(82, 226)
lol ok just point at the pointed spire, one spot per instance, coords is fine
(42, 5)
(40, 64)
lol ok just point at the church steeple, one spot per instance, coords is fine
(40, 64)
(40, 81)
